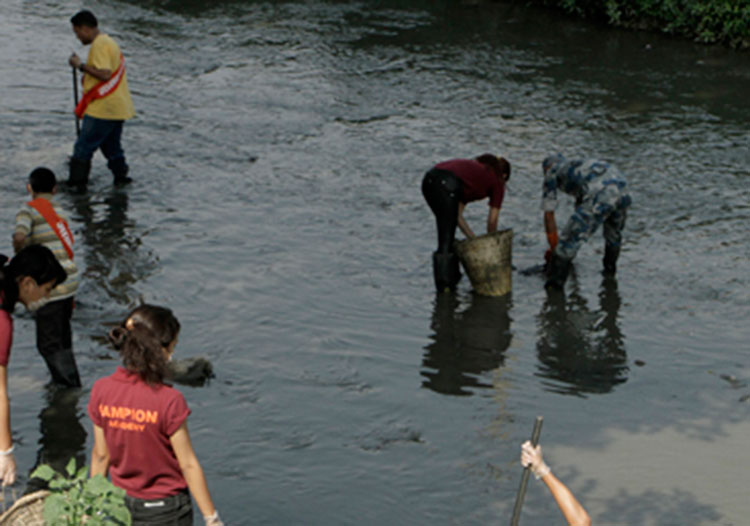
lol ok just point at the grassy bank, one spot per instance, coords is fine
(710, 21)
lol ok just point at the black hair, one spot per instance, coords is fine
(499, 165)
(84, 18)
(42, 179)
(36, 261)
(141, 340)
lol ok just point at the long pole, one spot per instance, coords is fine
(75, 100)
(526, 472)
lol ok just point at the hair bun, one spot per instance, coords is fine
(117, 336)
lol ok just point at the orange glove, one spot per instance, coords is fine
(552, 239)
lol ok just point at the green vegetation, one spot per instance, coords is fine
(709, 21)
(76, 499)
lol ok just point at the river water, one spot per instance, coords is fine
(278, 153)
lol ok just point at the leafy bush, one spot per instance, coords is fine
(725, 21)
(76, 499)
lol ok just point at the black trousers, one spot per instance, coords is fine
(443, 191)
(55, 342)
(176, 510)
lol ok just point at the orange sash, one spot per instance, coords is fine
(102, 89)
(57, 223)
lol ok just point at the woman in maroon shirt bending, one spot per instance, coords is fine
(447, 188)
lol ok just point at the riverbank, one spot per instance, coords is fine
(724, 22)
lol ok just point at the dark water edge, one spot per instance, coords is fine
(277, 155)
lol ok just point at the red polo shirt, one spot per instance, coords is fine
(479, 181)
(138, 420)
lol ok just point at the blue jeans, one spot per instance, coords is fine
(104, 134)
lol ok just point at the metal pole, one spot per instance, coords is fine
(525, 477)
(75, 100)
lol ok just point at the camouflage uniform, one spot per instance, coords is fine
(601, 196)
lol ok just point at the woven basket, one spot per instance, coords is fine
(26, 511)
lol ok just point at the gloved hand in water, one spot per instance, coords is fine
(7, 467)
(532, 457)
(213, 520)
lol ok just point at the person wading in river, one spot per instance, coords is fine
(42, 221)
(104, 106)
(28, 277)
(602, 197)
(447, 188)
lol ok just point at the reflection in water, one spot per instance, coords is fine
(465, 344)
(62, 435)
(109, 251)
(580, 350)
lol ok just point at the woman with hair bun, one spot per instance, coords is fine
(28, 277)
(140, 426)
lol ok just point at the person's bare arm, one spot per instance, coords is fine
(492, 218)
(571, 509)
(462, 224)
(7, 460)
(99, 453)
(192, 470)
(567, 502)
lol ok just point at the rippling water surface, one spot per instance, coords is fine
(278, 152)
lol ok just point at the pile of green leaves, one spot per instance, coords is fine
(724, 21)
(76, 499)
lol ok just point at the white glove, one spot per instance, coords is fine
(213, 520)
(7, 468)
(532, 457)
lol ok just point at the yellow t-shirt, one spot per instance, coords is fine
(105, 54)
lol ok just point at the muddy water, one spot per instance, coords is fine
(277, 154)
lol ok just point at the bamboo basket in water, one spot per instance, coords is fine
(487, 261)
(26, 511)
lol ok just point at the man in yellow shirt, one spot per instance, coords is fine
(104, 106)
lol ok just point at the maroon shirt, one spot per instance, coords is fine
(479, 181)
(6, 336)
(138, 420)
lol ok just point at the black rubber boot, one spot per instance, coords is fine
(557, 272)
(610, 260)
(62, 367)
(79, 174)
(120, 169)
(445, 270)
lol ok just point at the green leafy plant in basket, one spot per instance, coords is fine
(77, 499)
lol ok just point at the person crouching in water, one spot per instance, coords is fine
(447, 188)
(602, 198)
(140, 426)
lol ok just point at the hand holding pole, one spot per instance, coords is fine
(525, 476)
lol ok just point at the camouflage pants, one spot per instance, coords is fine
(606, 207)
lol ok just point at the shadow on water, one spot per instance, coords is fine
(62, 435)
(581, 350)
(466, 343)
